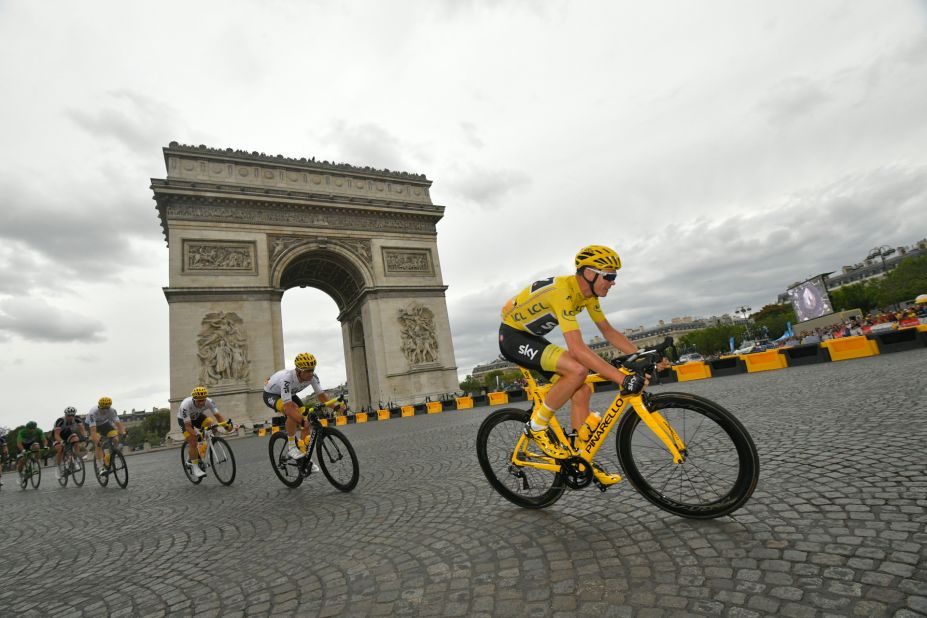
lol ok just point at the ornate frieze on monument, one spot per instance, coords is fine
(223, 349)
(406, 262)
(278, 245)
(303, 216)
(211, 256)
(417, 332)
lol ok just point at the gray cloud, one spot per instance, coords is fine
(791, 99)
(33, 319)
(366, 144)
(137, 122)
(484, 187)
(53, 237)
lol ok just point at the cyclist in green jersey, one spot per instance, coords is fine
(29, 439)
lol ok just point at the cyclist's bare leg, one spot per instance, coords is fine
(579, 408)
(59, 450)
(191, 441)
(95, 437)
(76, 442)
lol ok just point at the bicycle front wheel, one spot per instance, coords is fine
(499, 435)
(35, 476)
(185, 464)
(721, 466)
(118, 468)
(98, 467)
(223, 461)
(337, 459)
(286, 469)
(76, 466)
(63, 471)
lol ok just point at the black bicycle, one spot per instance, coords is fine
(31, 471)
(214, 453)
(113, 463)
(334, 452)
(71, 466)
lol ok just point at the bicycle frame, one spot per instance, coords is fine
(620, 405)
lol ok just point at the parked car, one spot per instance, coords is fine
(690, 358)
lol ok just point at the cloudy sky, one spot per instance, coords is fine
(726, 149)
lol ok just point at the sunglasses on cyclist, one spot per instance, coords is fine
(605, 275)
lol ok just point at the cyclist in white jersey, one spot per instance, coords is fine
(103, 419)
(280, 394)
(193, 414)
(68, 428)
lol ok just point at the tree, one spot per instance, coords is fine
(862, 296)
(714, 339)
(905, 282)
(773, 318)
(471, 384)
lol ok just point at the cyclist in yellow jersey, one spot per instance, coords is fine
(545, 305)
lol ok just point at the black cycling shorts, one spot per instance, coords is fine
(271, 399)
(529, 351)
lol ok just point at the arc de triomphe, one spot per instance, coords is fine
(242, 228)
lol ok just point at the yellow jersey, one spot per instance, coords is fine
(548, 303)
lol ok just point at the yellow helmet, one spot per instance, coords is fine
(599, 257)
(305, 360)
(104, 402)
(921, 299)
(200, 392)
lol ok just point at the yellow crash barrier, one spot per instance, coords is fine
(382, 415)
(846, 348)
(498, 398)
(261, 432)
(765, 361)
(408, 411)
(433, 407)
(341, 420)
(360, 417)
(464, 403)
(692, 371)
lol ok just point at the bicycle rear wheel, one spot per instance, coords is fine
(185, 464)
(286, 469)
(721, 466)
(337, 459)
(223, 461)
(528, 487)
(119, 470)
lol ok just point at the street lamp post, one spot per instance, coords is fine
(744, 312)
(881, 252)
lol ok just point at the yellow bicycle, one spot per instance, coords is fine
(684, 453)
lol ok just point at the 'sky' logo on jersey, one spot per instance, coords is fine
(526, 350)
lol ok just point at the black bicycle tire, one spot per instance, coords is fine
(35, 479)
(747, 461)
(97, 467)
(63, 470)
(184, 449)
(275, 461)
(545, 499)
(115, 458)
(321, 451)
(212, 458)
(75, 473)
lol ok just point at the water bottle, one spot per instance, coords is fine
(591, 422)
(202, 447)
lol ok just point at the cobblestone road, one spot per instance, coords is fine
(837, 526)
